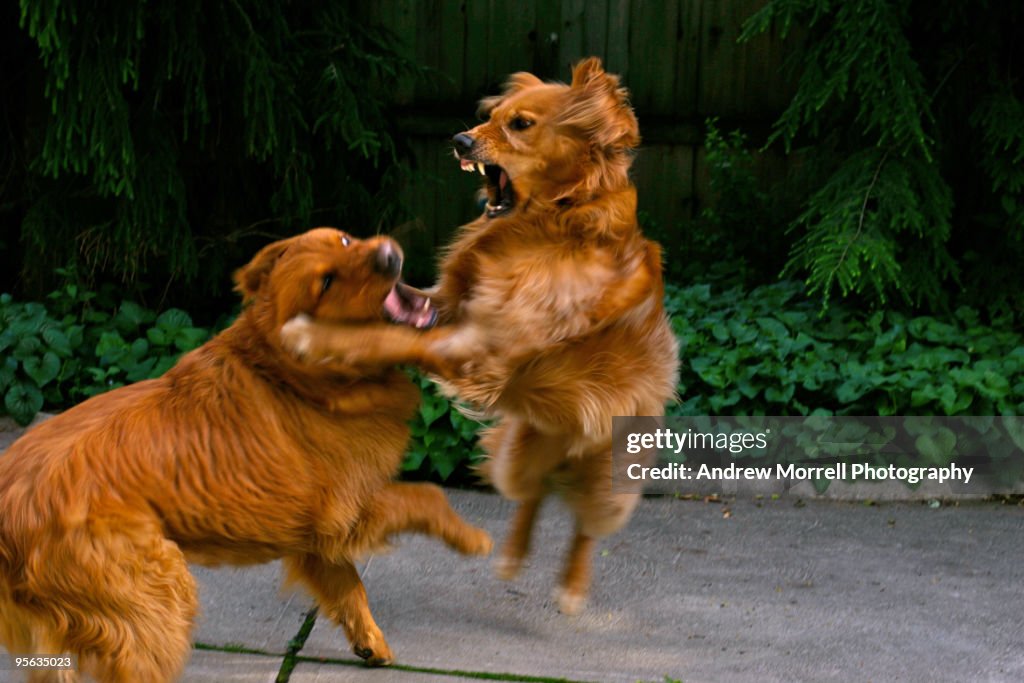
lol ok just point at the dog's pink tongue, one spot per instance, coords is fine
(394, 306)
(502, 180)
(400, 311)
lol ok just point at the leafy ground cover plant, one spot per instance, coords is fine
(767, 351)
(83, 343)
(443, 444)
(770, 352)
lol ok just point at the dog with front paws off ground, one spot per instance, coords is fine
(553, 299)
(239, 454)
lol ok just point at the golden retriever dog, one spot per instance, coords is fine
(551, 303)
(239, 454)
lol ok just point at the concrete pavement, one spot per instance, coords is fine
(744, 589)
(741, 591)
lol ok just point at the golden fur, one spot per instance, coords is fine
(551, 305)
(238, 454)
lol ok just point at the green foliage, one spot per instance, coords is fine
(735, 237)
(898, 99)
(769, 352)
(175, 131)
(82, 344)
(443, 444)
(999, 120)
(853, 226)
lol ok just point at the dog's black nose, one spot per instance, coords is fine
(463, 143)
(388, 260)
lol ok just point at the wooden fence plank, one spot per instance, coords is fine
(453, 49)
(595, 29)
(687, 72)
(570, 45)
(652, 40)
(475, 67)
(663, 175)
(404, 16)
(548, 36)
(617, 51)
(739, 80)
(510, 48)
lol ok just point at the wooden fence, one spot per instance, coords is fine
(679, 58)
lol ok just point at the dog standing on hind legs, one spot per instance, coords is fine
(555, 299)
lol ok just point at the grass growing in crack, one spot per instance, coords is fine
(294, 645)
(234, 648)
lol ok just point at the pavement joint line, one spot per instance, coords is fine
(458, 673)
(291, 657)
(235, 649)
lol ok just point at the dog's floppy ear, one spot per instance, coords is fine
(601, 107)
(589, 72)
(250, 277)
(514, 84)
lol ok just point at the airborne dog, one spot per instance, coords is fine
(550, 305)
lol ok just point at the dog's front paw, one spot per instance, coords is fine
(479, 543)
(373, 652)
(297, 335)
(457, 350)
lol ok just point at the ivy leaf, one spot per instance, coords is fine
(173, 320)
(57, 341)
(156, 336)
(139, 348)
(189, 338)
(937, 446)
(23, 401)
(431, 408)
(7, 339)
(43, 369)
(444, 464)
(7, 374)
(133, 315)
(27, 347)
(413, 459)
(163, 364)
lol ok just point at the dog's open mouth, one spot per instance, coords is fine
(501, 196)
(409, 306)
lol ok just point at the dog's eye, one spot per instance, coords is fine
(520, 123)
(345, 241)
(325, 282)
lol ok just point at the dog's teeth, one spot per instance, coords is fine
(426, 304)
(480, 167)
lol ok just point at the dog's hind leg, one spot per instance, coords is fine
(572, 592)
(517, 543)
(599, 511)
(124, 601)
(26, 634)
(423, 508)
(342, 597)
(519, 464)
